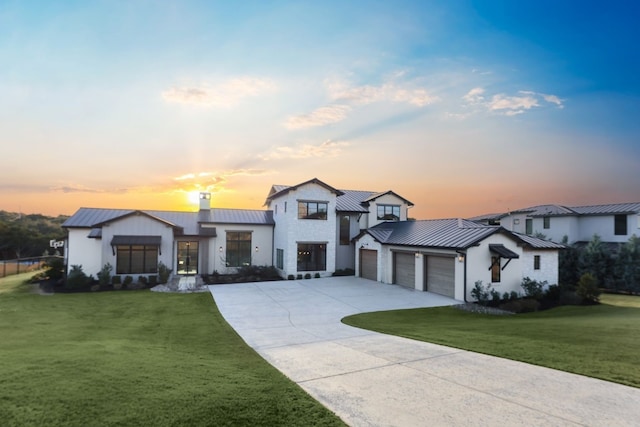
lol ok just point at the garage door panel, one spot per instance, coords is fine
(369, 264)
(405, 270)
(440, 275)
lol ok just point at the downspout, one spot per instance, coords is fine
(465, 278)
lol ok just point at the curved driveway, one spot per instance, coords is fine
(372, 379)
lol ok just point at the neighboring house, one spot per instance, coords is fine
(447, 256)
(614, 223)
(313, 228)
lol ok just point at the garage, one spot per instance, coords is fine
(404, 269)
(440, 275)
(369, 264)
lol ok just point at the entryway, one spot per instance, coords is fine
(187, 258)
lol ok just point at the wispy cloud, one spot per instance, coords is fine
(226, 94)
(72, 188)
(211, 181)
(345, 97)
(508, 105)
(327, 148)
(320, 117)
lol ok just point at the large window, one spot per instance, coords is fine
(238, 248)
(620, 225)
(136, 259)
(388, 213)
(495, 269)
(312, 210)
(345, 229)
(312, 256)
(280, 258)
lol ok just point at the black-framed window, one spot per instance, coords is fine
(546, 222)
(312, 210)
(136, 259)
(312, 256)
(620, 225)
(528, 226)
(280, 258)
(495, 269)
(388, 212)
(345, 229)
(536, 262)
(238, 248)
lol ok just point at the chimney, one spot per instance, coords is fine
(205, 201)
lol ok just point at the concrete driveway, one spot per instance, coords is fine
(371, 379)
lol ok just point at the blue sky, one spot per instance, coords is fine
(462, 107)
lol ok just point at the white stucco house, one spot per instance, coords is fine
(614, 223)
(312, 228)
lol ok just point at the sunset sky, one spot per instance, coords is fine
(462, 107)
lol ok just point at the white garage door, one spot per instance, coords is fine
(440, 275)
(369, 264)
(404, 269)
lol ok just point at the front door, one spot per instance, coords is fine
(187, 258)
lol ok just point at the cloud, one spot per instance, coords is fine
(553, 99)
(328, 148)
(474, 96)
(512, 104)
(508, 105)
(82, 189)
(226, 94)
(319, 117)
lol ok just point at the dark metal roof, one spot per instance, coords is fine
(435, 233)
(536, 242)
(353, 201)
(241, 216)
(488, 217)
(616, 208)
(136, 240)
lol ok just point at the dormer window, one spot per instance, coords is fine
(312, 210)
(388, 213)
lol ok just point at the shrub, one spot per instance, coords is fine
(533, 288)
(525, 305)
(76, 278)
(143, 280)
(307, 276)
(153, 280)
(104, 275)
(290, 277)
(587, 288)
(299, 276)
(127, 280)
(163, 273)
(514, 295)
(317, 275)
(495, 298)
(116, 280)
(344, 272)
(480, 293)
(55, 268)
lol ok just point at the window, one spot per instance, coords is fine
(312, 210)
(280, 258)
(620, 225)
(495, 269)
(389, 213)
(312, 256)
(528, 226)
(345, 225)
(238, 248)
(536, 262)
(136, 259)
(546, 222)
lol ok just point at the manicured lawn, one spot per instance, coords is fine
(136, 358)
(600, 341)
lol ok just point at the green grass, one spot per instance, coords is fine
(600, 341)
(136, 358)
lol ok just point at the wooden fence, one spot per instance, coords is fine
(23, 265)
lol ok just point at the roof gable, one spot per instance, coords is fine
(281, 190)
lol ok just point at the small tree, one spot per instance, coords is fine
(163, 273)
(568, 260)
(596, 259)
(480, 293)
(627, 266)
(55, 268)
(588, 288)
(104, 275)
(533, 288)
(77, 278)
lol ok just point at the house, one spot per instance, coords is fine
(614, 223)
(312, 229)
(447, 256)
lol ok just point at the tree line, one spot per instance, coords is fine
(28, 235)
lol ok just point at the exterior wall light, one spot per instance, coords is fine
(460, 257)
(220, 249)
(257, 249)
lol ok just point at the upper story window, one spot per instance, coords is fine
(312, 210)
(546, 222)
(620, 225)
(388, 212)
(528, 226)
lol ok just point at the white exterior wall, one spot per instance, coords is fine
(289, 230)
(137, 225)
(84, 251)
(368, 242)
(261, 238)
(387, 199)
(548, 266)
(478, 260)
(603, 226)
(514, 222)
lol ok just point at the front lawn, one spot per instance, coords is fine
(136, 358)
(600, 341)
